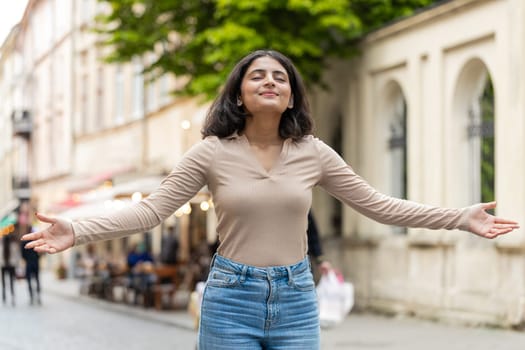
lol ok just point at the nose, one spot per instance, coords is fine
(269, 80)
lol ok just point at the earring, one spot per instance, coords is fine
(239, 101)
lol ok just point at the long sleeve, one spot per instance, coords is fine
(188, 177)
(339, 179)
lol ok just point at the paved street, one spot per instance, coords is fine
(69, 321)
(365, 332)
(63, 323)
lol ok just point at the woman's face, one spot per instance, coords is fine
(266, 87)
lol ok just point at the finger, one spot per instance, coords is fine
(45, 218)
(511, 226)
(489, 205)
(497, 232)
(36, 243)
(41, 249)
(45, 249)
(505, 221)
(31, 236)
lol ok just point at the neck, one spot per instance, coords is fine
(262, 130)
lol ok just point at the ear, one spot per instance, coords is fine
(239, 101)
(290, 103)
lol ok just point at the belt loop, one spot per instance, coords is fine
(243, 273)
(212, 260)
(290, 276)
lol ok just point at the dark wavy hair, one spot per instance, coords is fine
(224, 116)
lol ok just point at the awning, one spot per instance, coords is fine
(124, 190)
(69, 202)
(99, 208)
(6, 224)
(107, 200)
(8, 220)
(86, 183)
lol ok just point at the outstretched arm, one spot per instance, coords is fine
(188, 177)
(339, 179)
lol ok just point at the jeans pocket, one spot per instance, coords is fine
(222, 278)
(304, 282)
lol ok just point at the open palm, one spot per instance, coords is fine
(486, 225)
(55, 238)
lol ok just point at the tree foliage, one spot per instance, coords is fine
(203, 39)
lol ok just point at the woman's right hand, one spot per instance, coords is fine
(56, 238)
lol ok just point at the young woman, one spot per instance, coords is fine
(260, 162)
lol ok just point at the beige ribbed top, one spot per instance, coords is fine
(262, 215)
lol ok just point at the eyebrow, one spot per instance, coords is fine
(260, 70)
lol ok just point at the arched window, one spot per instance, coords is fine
(480, 132)
(394, 122)
(397, 145)
(470, 136)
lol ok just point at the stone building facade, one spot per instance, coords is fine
(417, 108)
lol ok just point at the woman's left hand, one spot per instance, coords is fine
(486, 225)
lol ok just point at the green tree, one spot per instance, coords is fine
(201, 40)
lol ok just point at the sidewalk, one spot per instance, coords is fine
(70, 289)
(357, 332)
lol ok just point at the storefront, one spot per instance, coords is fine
(8, 217)
(193, 225)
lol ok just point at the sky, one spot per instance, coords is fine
(11, 12)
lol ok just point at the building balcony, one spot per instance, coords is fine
(22, 123)
(21, 187)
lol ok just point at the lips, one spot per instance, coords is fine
(269, 93)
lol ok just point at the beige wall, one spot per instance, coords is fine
(7, 75)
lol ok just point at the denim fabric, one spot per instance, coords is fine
(249, 308)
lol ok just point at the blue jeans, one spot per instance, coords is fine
(248, 308)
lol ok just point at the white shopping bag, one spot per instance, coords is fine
(194, 306)
(336, 299)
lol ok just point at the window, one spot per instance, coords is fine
(138, 89)
(396, 122)
(119, 96)
(164, 90)
(480, 132)
(52, 139)
(151, 100)
(100, 98)
(85, 11)
(397, 144)
(84, 106)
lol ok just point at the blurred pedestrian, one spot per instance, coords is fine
(141, 273)
(260, 162)
(320, 264)
(32, 260)
(170, 247)
(10, 261)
